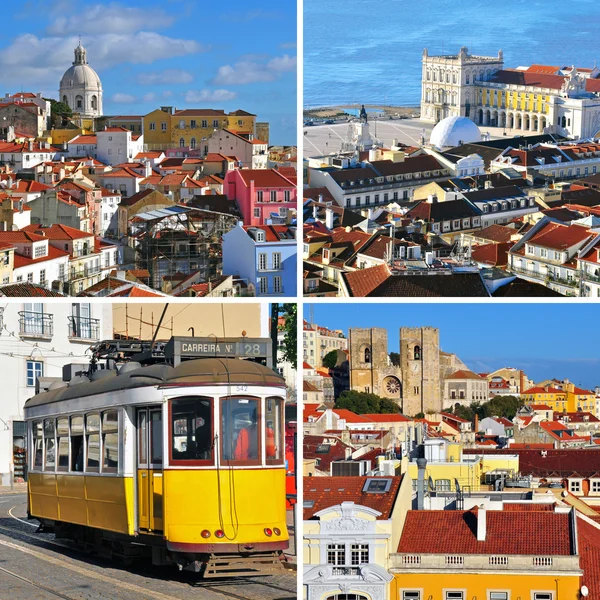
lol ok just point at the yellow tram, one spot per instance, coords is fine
(183, 457)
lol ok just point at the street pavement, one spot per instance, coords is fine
(34, 565)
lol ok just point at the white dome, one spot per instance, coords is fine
(82, 76)
(454, 131)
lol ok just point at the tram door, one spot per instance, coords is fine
(149, 468)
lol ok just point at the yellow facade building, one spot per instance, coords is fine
(567, 398)
(189, 129)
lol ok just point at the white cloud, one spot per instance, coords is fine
(169, 76)
(252, 71)
(34, 62)
(123, 98)
(111, 18)
(167, 94)
(149, 97)
(194, 96)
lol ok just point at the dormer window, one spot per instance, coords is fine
(260, 236)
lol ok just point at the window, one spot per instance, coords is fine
(92, 431)
(193, 123)
(574, 486)
(595, 485)
(367, 355)
(181, 143)
(498, 596)
(411, 595)
(77, 444)
(273, 196)
(286, 195)
(262, 285)
(274, 430)
(62, 434)
(35, 369)
(276, 260)
(152, 126)
(49, 454)
(542, 596)
(40, 251)
(262, 262)
(455, 595)
(259, 196)
(204, 123)
(216, 123)
(163, 126)
(277, 284)
(257, 213)
(38, 444)
(359, 554)
(417, 353)
(379, 485)
(240, 432)
(336, 554)
(110, 441)
(181, 124)
(193, 143)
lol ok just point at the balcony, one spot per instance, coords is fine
(84, 273)
(562, 281)
(590, 277)
(36, 325)
(84, 329)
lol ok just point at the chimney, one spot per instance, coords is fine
(329, 218)
(488, 184)
(481, 523)
(315, 211)
(421, 464)
(476, 422)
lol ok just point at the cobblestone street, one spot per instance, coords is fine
(35, 566)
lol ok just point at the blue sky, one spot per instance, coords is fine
(545, 340)
(181, 53)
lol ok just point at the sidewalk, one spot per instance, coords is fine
(18, 488)
(290, 553)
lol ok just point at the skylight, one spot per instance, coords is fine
(377, 485)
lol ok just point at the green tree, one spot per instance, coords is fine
(59, 112)
(289, 313)
(330, 359)
(395, 359)
(362, 402)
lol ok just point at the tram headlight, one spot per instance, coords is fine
(219, 533)
(268, 532)
(205, 533)
(276, 531)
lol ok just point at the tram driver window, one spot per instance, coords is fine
(77, 444)
(192, 428)
(49, 454)
(240, 429)
(273, 430)
(110, 441)
(62, 433)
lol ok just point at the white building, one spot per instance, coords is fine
(36, 340)
(107, 213)
(117, 145)
(252, 153)
(81, 88)
(82, 146)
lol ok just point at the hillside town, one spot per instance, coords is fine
(497, 195)
(423, 476)
(187, 202)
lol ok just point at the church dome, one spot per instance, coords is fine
(81, 76)
(454, 131)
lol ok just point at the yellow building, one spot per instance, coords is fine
(567, 398)
(7, 262)
(190, 129)
(492, 555)
(62, 136)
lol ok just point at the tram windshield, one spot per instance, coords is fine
(240, 433)
(192, 428)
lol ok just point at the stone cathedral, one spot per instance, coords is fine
(417, 383)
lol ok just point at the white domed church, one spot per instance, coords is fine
(81, 88)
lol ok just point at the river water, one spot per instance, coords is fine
(369, 51)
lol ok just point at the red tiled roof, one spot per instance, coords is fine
(559, 236)
(528, 506)
(455, 532)
(309, 387)
(494, 255)
(57, 232)
(541, 390)
(28, 290)
(349, 416)
(386, 417)
(462, 374)
(326, 492)
(363, 281)
(25, 261)
(540, 407)
(265, 178)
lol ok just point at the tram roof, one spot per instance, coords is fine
(201, 371)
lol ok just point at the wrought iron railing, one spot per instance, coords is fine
(34, 324)
(84, 328)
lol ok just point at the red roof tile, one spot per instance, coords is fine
(589, 552)
(326, 492)
(362, 282)
(455, 532)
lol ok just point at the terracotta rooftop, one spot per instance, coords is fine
(325, 492)
(455, 532)
(362, 282)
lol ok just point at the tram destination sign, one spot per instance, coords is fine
(185, 348)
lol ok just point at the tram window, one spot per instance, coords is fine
(77, 444)
(110, 441)
(49, 454)
(62, 433)
(142, 437)
(192, 428)
(274, 437)
(92, 431)
(156, 446)
(240, 434)
(38, 444)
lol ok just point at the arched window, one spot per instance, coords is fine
(193, 143)
(181, 143)
(367, 355)
(454, 77)
(94, 102)
(417, 353)
(468, 80)
(65, 100)
(78, 101)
